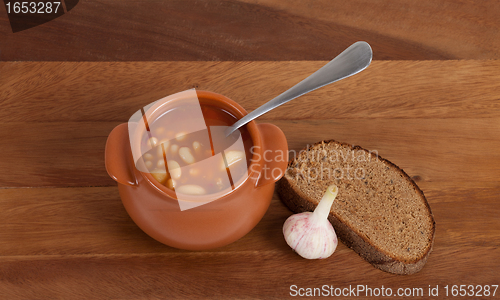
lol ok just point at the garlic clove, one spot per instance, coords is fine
(310, 234)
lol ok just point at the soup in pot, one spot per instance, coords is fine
(194, 161)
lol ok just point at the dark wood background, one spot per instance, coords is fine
(430, 102)
(249, 30)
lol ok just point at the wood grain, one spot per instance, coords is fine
(108, 30)
(65, 234)
(81, 221)
(252, 275)
(113, 91)
(63, 154)
(61, 113)
(99, 252)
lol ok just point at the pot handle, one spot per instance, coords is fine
(275, 154)
(118, 156)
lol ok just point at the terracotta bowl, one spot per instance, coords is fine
(155, 208)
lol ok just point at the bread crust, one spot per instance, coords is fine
(297, 202)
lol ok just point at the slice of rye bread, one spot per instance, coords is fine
(379, 212)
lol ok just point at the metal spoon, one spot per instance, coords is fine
(352, 61)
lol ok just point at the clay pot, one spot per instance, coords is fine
(155, 208)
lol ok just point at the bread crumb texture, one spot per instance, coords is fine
(376, 199)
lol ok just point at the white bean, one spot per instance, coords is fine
(148, 156)
(148, 164)
(159, 175)
(173, 149)
(165, 144)
(174, 169)
(186, 155)
(152, 142)
(180, 136)
(196, 146)
(233, 157)
(171, 184)
(160, 164)
(190, 189)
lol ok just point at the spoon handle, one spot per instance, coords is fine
(351, 61)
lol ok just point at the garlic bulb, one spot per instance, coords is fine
(310, 234)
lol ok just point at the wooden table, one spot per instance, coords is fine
(64, 233)
(258, 30)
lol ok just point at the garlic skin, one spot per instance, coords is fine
(310, 234)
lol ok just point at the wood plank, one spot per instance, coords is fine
(59, 154)
(79, 243)
(108, 30)
(55, 91)
(92, 221)
(253, 275)
(54, 154)
(457, 150)
(443, 25)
